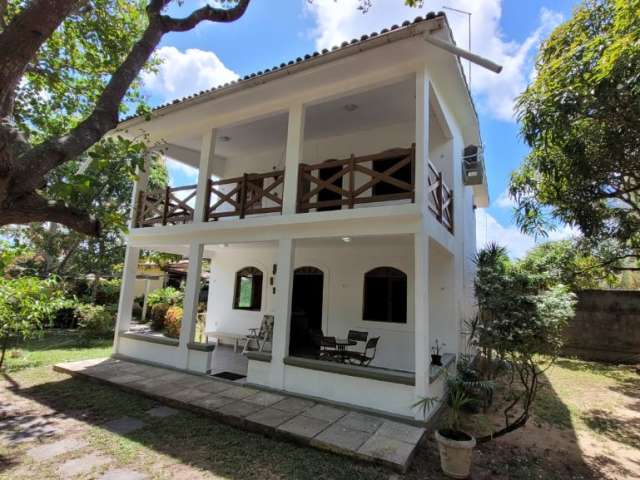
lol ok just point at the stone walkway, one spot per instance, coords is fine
(349, 432)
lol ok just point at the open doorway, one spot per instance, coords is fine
(306, 310)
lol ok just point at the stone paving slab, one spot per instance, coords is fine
(50, 450)
(82, 465)
(122, 474)
(339, 429)
(124, 425)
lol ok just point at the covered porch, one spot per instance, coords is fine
(351, 333)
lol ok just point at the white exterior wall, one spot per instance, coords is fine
(365, 392)
(344, 267)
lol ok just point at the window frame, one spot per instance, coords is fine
(393, 275)
(257, 282)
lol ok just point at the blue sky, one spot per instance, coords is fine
(507, 32)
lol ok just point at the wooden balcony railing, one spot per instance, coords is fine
(439, 198)
(329, 185)
(165, 207)
(372, 178)
(251, 194)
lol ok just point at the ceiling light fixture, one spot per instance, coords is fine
(346, 239)
(351, 107)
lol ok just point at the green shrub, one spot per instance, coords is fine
(108, 291)
(168, 295)
(158, 313)
(26, 304)
(95, 321)
(173, 322)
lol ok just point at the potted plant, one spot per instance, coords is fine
(454, 444)
(436, 357)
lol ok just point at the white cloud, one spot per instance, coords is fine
(505, 201)
(336, 23)
(185, 73)
(179, 170)
(489, 230)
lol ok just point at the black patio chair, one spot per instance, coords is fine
(356, 336)
(329, 349)
(366, 357)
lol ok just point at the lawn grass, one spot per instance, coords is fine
(53, 347)
(589, 396)
(193, 446)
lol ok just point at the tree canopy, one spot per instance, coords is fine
(581, 118)
(68, 69)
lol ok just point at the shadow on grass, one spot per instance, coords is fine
(623, 430)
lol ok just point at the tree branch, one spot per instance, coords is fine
(35, 208)
(22, 38)
(206, 13)
(47, 156)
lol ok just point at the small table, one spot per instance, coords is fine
(343, 343)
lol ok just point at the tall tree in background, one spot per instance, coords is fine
(581, 118)
(58, 90)
(89, 54)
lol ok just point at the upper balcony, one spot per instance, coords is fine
(356, 151)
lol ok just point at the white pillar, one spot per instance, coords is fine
(127, 288)
(282, 311)
(147, 287)
(207, 151)
(139, 185)
(421, 312)
(190, 305)
(293, 156)
(422, 137)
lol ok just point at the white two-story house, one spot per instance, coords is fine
(333, 195)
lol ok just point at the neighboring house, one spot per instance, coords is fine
(332, 195)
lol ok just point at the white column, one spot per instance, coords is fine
(282, 311)
(139, 185)
(293, 156)
(147, 287)
(207, 151)
(421, 312)
(127, 287)
(190, 305)
(422, 137)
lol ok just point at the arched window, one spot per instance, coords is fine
(385, 295)
(248, 291)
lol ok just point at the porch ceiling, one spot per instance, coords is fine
(388, 105)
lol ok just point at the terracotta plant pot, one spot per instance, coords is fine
(436, 360)
(455, 452)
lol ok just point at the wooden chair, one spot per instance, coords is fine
(260, 336)
(366, 357)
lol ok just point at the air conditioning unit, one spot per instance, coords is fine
(472, 165)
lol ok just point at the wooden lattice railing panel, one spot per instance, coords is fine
(251, 194)
(168, 207)
(312, 185)
(439, 198)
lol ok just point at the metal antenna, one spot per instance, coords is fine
(468, 14)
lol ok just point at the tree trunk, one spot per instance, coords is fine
(5, 344)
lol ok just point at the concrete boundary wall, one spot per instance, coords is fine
(606, 326)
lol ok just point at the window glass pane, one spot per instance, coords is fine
(245, 292)
(385, 295)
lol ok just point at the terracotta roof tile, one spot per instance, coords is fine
(363, 38)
